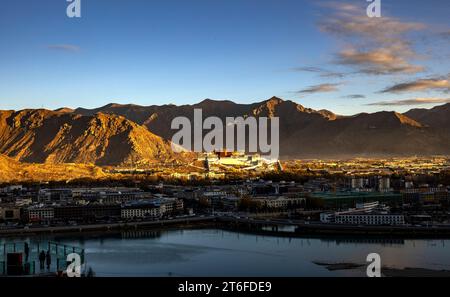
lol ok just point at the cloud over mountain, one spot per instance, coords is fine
(354, 96)
(322, 88)
(321, 72)
(420, 85)
(371, 45)
(412, 102)
(64, 47)
(378, 61)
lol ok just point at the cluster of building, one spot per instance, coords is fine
(216, 165)
(367, 166)
(65, 205)
(84, 204)
(335, 198)
(264, 194)
(236, 160)
(371, 183)
(372, 213)
(424, 194)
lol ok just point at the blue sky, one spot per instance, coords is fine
(183, 51)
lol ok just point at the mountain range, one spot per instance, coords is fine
(118, 134)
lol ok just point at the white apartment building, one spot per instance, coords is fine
(371, 213)
(369, 219)
(140, 212)
(278, 201)
(36, 214)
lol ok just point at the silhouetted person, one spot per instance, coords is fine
(42, 259)
(48, 259)
(27, 251)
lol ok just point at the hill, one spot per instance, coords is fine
(53, 137)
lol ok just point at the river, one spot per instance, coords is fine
(213, 252)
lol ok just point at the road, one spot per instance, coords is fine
(102, 227)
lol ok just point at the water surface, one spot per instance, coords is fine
(210, 252)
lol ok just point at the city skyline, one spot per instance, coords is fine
(325, 55)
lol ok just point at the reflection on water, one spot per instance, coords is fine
(141, 234)
(381, 241)
(222, 253)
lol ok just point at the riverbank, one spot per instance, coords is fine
(178, 223)
(392, 231)
(302, 229)
(261, 227)
(387, 271)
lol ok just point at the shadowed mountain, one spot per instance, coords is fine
(308, 133)
(367, 135)
(158, 119)
(437, 118)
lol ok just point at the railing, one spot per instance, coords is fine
(27, 264)
(29, 268)
(61, 251)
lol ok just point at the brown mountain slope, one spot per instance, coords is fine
(378, 134)
(12, 170)
(8, 168)
(437, 118)
(43, 136)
